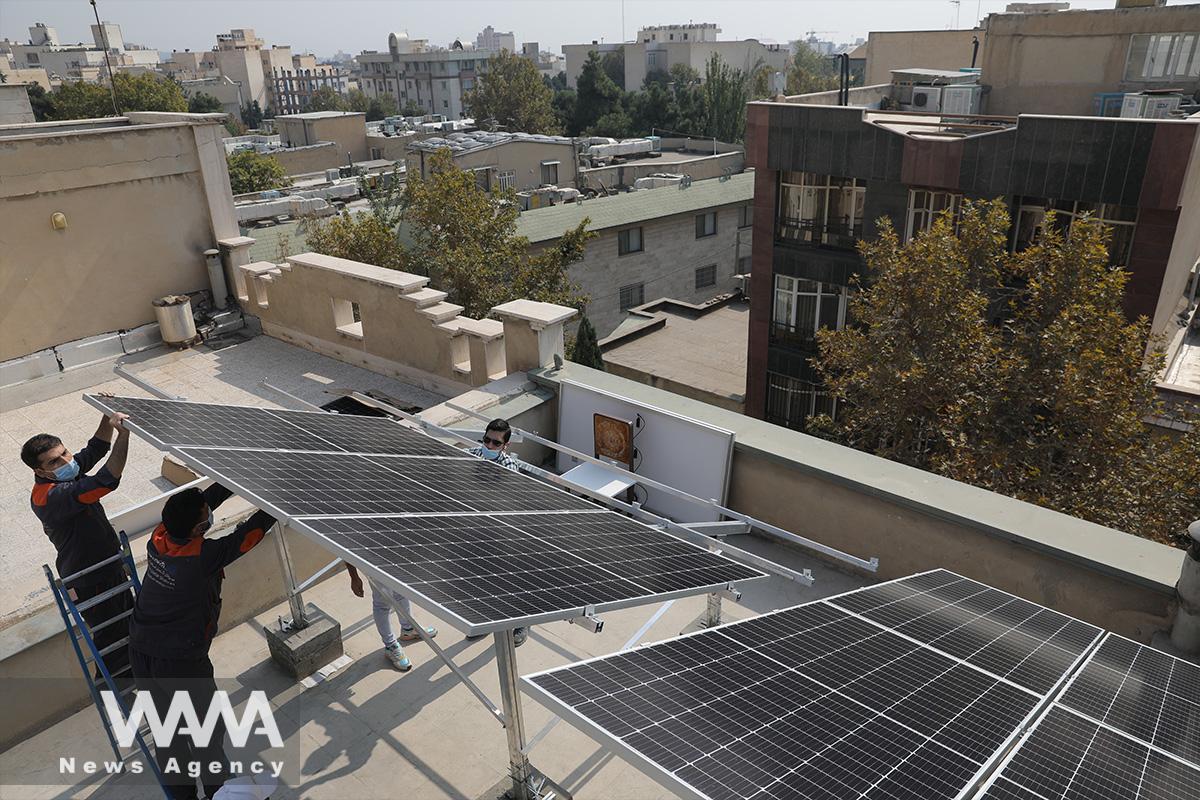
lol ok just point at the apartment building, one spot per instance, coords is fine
(825, 174)
(75, 62)
(412, 73)
(685, 242)
(659, 47)
(491, 39)
(293, 87)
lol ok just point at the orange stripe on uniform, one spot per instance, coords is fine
(252, 538)
(167, 546)
(94, 495)
(41, 493)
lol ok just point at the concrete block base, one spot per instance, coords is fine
(302, 652)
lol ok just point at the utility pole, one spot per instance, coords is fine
(112, 84)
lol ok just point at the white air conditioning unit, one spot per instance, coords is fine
(926, 98)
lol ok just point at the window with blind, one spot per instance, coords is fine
(629, 241)
(803, 306)
(706, 224)
(824, 210)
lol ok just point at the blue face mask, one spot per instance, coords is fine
(490, 454)
(67, 472)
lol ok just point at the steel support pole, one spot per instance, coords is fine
(510, 701)
(295, 600)
(712, 611)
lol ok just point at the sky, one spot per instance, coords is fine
(326, 26)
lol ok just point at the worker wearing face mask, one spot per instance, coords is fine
(175, 619)
(66, 499)
(494, 447)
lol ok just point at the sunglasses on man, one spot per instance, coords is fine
(490, 442)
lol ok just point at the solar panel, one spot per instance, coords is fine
(819, 700)
(172, 423)
(487, 568)
(1068, 755)
(1142, 692)
(313, 484)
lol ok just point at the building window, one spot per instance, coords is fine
(483, 178)
(443, 86)
(802, 307)
(706, 224)
(1120, 221)
(925, 205)
(1163, 56)
(745, 216)
(445, 104)
(632, 295)
(507, 180)
(821, 209)
(706, 276)
(629, 241)
(549, 173)
(743, 265)
(791, 401)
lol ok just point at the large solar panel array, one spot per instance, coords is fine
(491, 548)
(1127, 727)
(909, 689)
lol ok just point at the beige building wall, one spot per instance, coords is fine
(245, 67)
(14, 76)
(889, 50)
(141, 204)
(524, 159)
(312, 158)
(1055, 63)
(14, 104)
(347, 130)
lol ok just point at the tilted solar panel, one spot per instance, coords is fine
(826, 699)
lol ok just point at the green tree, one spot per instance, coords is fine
(565, 104)
(412, 109)
(811, 72)
(326, 98)
(726, 91)
(252, 114)
(234, 125)
(252, 172)
(559, 81)
(201, 103)
(41, 102)
(682, 74)
(465, 240)
(613, 63)
(617, 124)
(356, 236)
(357, 100)
(586, 350)
(145, 92)
(512, 93)
(596, 93)
(381, 107)
(1046, 403)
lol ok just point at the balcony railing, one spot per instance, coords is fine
(842, 235)
(791, 336)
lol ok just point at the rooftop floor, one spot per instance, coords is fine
(706, 351)
(226, 372)
(370, 732)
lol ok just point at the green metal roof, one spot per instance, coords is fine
(630, 208)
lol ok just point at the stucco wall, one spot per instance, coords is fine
(138, 221)
(523, 158)
(888, 50)
(700, 168)
(1054, 63)
(312, 158)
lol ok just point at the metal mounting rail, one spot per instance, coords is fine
(869, 564)
(633, 509)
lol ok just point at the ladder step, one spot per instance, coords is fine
(92, 568)
(117, 618)
(108, 594)
(121, 671)
(122, 642)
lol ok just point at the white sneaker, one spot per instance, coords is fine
(395, 654)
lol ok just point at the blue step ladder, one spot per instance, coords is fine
(82, 637)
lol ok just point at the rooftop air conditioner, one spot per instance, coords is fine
(926, 98)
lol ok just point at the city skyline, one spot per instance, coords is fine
(356, 25)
